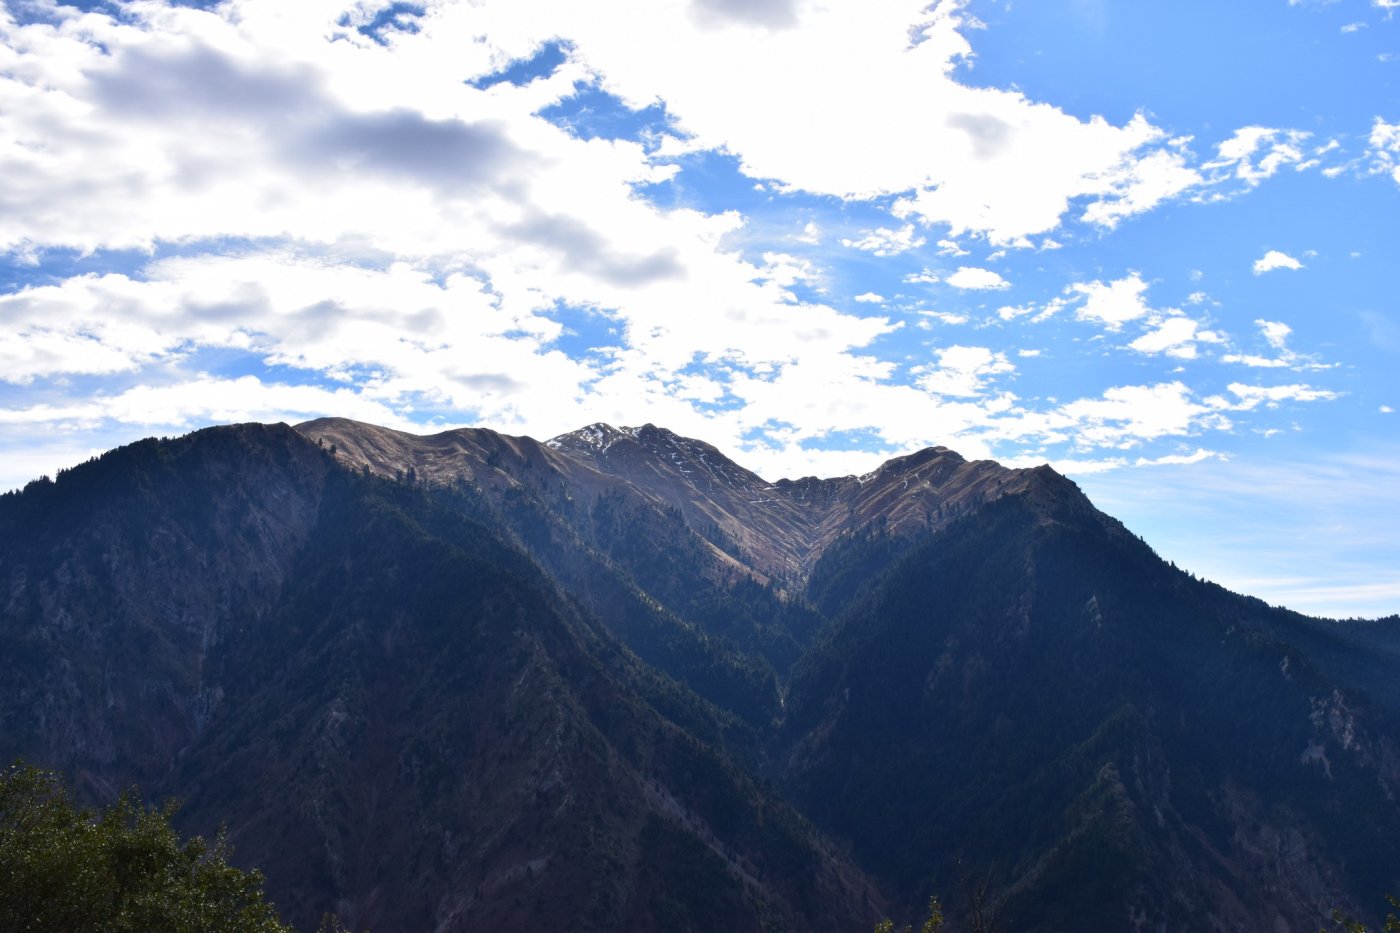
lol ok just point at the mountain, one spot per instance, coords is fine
(1113, 743)
(614, 680)
(397, 714)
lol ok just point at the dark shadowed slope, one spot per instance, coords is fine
(395, 712)
(1113, 742)
(471, 680)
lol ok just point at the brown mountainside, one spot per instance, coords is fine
(781, 528)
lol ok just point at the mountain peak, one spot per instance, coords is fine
(599, 435)
(782, 527)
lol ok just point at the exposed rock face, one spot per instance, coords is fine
(780, 529)
(478, 681)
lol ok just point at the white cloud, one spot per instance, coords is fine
(278, 132)
(1256, 153)
(1196, 456)
(1386, 410)
(1274, 259)
(972, 278)
(1251, 397)
(1175, 336)
(1385, 149)
(1143, 182)
(886, 242)
(962, 371)
(978, 159)
(871, 298)
(401, 240)
(1276, 334)
(1131, 414)
(787, 270)
(207, 400)
(1113, 303)
(1255, 361)
(1123, 417)
(944, 317)
(1040, 312)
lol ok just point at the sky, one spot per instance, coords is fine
(1151, 243)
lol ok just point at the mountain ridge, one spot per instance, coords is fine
(705, 484)
(391, 707)
(355, 646)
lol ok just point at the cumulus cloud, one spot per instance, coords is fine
(196, 126)
(1275, 332)
(1275, 259)
(1112, 304)
(962, 371)
(1122, 417)
(398, 231)
(982, 160)
(1384, 150)
(972, 278)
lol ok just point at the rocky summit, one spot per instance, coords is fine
(616, 681)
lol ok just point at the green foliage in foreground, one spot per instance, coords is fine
(933, 924)
(124, 869)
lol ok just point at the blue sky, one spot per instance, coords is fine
(1150, 243)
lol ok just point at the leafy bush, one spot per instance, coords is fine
(123, 869)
